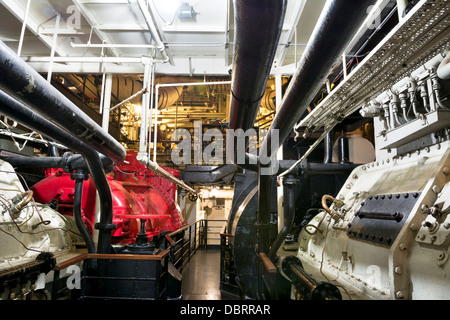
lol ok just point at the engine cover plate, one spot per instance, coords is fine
(381, 217)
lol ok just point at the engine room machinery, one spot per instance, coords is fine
(97, 196)
(382, 231)
(135, 190)
(357, 207)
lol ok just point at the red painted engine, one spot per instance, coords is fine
(135, 190)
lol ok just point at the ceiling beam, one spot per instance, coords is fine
(94, 23)
(290, 28)
(34, 26)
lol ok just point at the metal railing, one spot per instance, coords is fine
(184, 242)
(228, 274)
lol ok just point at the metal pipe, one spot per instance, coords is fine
(343, 149)
(22, 82)
(86, 59)
(153, 30)
(337, 25)
(105, 226)
(102, 93)
(152, 107)
(28, 138)
(309, 288)
(256, 41)
(116, 45)
(107, 102)
(79, 176)
(328, 147)
(289, 214)
(54, 45)
(24, 27)
(153, 166)
(15, 110)
(141, 157)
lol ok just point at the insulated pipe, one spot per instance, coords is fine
(258, 25)
(337, 25)
(15, 110)
(21, 81)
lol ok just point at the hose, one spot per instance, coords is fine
(79, 178)
(325, 206)
(20, 201)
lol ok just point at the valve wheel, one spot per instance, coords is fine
(193, 197)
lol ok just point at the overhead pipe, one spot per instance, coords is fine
(258, 26)
(22, 82)
(153, 30)
(29, 98)
(337, 25)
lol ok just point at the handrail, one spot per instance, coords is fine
(169, 235)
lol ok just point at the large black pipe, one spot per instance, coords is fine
(22, 82)
(258, 25)
(337, 25)
(17, 111)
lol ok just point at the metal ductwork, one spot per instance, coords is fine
(258, 27)
(337, 25)
(168, 96)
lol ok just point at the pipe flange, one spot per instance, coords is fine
(65, 162)
(79, 175)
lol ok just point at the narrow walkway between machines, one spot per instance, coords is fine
(201, 277)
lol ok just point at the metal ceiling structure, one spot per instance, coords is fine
(191, 38)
